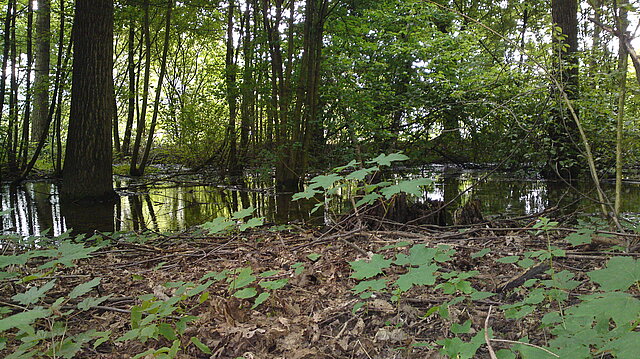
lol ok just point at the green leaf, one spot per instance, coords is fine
(353, 163)
(461, 329)
(199, 289)
(252, 223)
(583, 236)
(244, 278)
(423, 275)
(167, 331)
(509, 259)
(34, 294)
(384, 160)
(412, 187)
(84, 288)
(481, 253)
(269, 273)
(397, 245)
(68, 252)
(366, 269)
(419, 254)
(368, 199)
(274, 284)
(627, 346)
(245, 293)
(361, 174)
(324, 181)
(260, 299)
(243, 213)
(24, 318)
(373, 285)
(91, 302)
(314, 256)
(619, 274)
(205, 349)
(19, 260)
(308, 193)
(217, 225)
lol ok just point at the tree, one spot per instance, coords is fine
(41, 85)
(563, 131)
(87, 169)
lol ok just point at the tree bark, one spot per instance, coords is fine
(623, 63)
(87, 169)
(41, 83)
(131, 106)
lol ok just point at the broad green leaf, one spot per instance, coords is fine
(361, 174)
(269, 273)
(423, 275)
(481, 253)
(324, 181)
(19, 260)
(583, 236)
(621, 307)
(91, 302)
(363, 269)
(314, 256)
(199, 289)
(260, 299)
(24, 318)
(353, 163)
(508, 259)
(384, 160)
(68, 252)
(412, 187)
(167, 331)
(627, 346)
(274, 284)
(374, 285)
(619, 274)
(368, 199)
(217, 225)
(244, 278)
(461, 329)
(419, 254)
(34, 294)
(308, 193)
(252, 223)
(243, 213)
(84, 288)
(245, 293)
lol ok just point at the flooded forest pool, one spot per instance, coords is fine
(168, 206)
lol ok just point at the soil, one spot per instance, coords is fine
(311, 317)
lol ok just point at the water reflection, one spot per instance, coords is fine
(173, 206)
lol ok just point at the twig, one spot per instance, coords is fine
(527, 344)
(486, 334)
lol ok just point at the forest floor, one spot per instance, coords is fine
(312, 316)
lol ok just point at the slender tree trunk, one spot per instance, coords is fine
(13, 98)
(622, 25)
(141, 125)
(88, 161)
(248, 85)
(26, 120)
(232, 94)
(41, 83)
(131, 69)
(5, 61)
(156, 104)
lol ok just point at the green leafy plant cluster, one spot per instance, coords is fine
(240, 220)
(582, 326)
(36, 321)
(354, 179)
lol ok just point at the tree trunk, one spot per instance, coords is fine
(248, 86)
(41, 83)
(623, 63)
(563, 131)
(142, 118)
(88, 161)
(5, 60)
(232, 95)
(156, 104)
(131, 69)
(26, 120)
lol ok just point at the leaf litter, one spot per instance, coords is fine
(312, 315)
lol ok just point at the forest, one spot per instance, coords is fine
(319, 179)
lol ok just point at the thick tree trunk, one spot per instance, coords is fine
(232, 95)
(88, 161)
(623, 64)
(563, 131)
(248, 86)
(41, 83)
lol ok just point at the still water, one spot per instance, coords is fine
(167, 206)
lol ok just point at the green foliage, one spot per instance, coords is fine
(356, 183)
(237, 221)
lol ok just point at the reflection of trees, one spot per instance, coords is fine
(87, 218)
